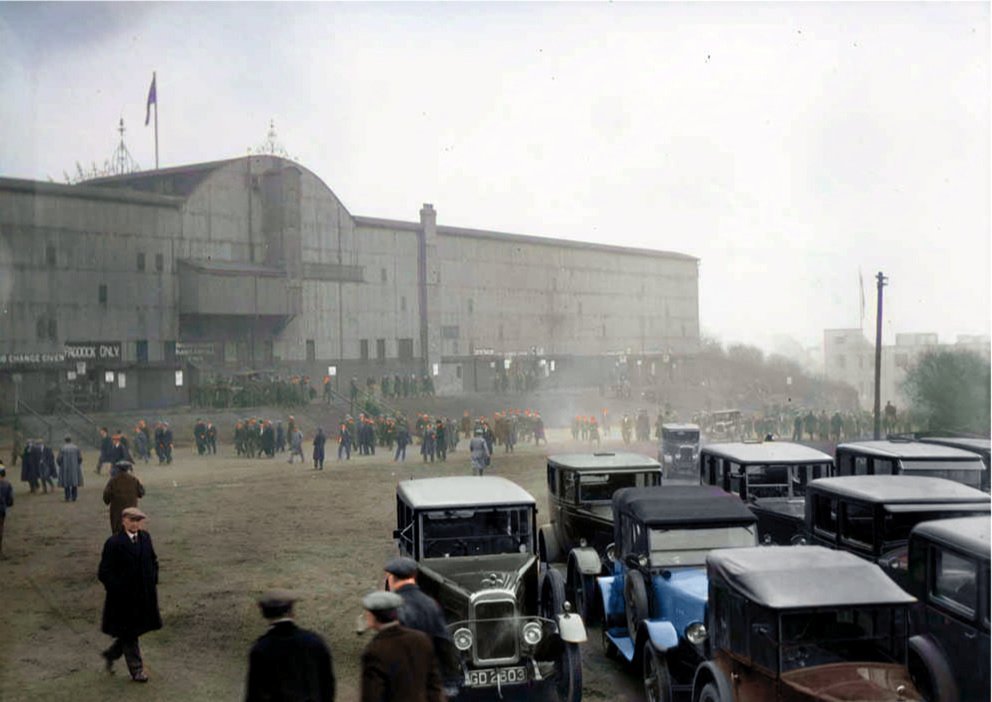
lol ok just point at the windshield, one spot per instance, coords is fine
(685, 547)
(599, 487)
(966, 472)
(783, 480)
(475, 532)
(680, 437)
(897, 525)
(857, 634)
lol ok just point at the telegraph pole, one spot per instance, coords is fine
(881, 280)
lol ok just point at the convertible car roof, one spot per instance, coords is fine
(604, 461)
(680, 505)
(462, 491)
(894, 489)
(768, 452)
(914, 450)
(970, 534)
(798, 577)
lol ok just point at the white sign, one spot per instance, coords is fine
(72, 375)
(552, 366)
(788, 380)
(121, 381)
(179, 378)
(108, 377)
(434, 368)
(81, 367)
(332, 371)
(506, 363)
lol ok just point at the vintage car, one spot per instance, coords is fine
(771, 477)
(475, 541)
(800, 623)
(678, 452)
(872, 515)
(725, 425)
(983, 447)
(949, 629)
(654, 601)
(580, 505)
(902, 456)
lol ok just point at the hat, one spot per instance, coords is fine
(124, 464)
(277, 598)
(133, 513)
(381, 601)
(401, 567)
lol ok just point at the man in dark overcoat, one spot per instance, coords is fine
(398, 665)
(123, 490)
(70, 463)
(288, 663)
(31, 465)
(129, 573)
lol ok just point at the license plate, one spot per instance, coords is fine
(490, 677)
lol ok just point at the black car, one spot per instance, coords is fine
(474, 539)
(872, 515)
(580, 533)
(908, 457)
(949, 575)
(771, 477)
(983, 447)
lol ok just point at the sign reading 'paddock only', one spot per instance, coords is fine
(72, 352)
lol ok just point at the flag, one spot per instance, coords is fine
(152, 98)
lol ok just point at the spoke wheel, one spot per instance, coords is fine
(709, 694)
(657, 683)
(636, 602)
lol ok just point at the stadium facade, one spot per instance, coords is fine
(115, 284)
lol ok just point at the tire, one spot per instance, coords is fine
(568, 673)
(709, 694)
(657, 681)
(635, 599)
(581, 592)
(552, 594)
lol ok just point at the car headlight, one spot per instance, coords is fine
(642, 561)
(463, 639)
(532, 633)
(695, 633)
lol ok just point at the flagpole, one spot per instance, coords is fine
(155, 83)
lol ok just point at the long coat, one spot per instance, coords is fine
(289, 663)
(420, 611)
(129, 573)
(70, 462)
(123, 490)
(479, 450)
(31, 464)
(399, 665)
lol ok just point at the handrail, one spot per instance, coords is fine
(21, 404)
(78, 412)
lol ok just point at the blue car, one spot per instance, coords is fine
(655, 599)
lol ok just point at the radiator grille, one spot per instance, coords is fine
(495, 630)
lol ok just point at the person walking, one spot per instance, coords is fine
(6, 502)
(402, 441)
(31, 466)
(129, 573)
(122, 491)
(46, 468)
(296, 445)
(398, 665)
(479, 452)
(70, 463)
(288, 663)
(344, 442)
(106, 444)
(318, 449)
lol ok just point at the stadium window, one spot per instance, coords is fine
(41, 329)
(52, 329)
(50, 255)
(363, 345)
(141, 260)
(380, 349)
(458, 371)
(403, 304)
(141, 350)
(404, 349)
(500, 332)
(159, 262)
(382, 272)
(311, 350)
(169, 351)
(101, 295)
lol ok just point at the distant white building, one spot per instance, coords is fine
(849, 357)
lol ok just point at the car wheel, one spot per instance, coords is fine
(709, 694)
(552, 594)
(582, 591)
(568, 673)
(635, 597)
(657, 682)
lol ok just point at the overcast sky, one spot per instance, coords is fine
(786, 145)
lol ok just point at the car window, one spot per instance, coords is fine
(473, 532)
(955, 582)
(860, 465)
(965, 472)
(825, 515)
(897, 525)
(768, 481)
(858, 527)
(764, 637)
(552, 480)
(834, 636)
(736, 477)
(882, 466)
(684, 547)
(599, 487)
(845, 463)
(569, 486)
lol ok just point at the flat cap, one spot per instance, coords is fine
(133, 513)
(401, 567)
(277, 598)
(381, 601)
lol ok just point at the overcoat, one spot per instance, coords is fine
(479, 451)
(399, 665)
(31, 464)
(70, 462)
(289, 663)
(129, 573)
(123, 490)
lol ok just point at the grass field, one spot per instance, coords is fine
(225, 529)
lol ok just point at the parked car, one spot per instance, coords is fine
(678, 451)
(580, 505)
(725, 425)
(802, 623)
(983, 447)
(872, 515)
(771, 477)
(654, 601)
(904, 456)
(949, 629)
(475, 541)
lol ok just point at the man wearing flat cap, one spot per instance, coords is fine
(420, 611)
(288, 663)
(398, 665)
(129, 573)
(123, 490)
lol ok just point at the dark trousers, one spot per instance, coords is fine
(71, 492)
(46, 482)
(127, 647)
(400, 453)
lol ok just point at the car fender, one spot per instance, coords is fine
(662, 634)
(932, 658)
(710, 672)
(552, 549)
(587, 560)
(604, 585)
(571, 628)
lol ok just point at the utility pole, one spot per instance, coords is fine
(881, 280)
